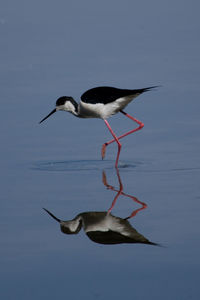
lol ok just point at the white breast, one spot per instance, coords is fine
(107, 223)
(104, 111)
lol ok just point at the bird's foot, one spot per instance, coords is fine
(103, 150)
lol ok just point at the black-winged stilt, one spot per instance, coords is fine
(102, 228)
(102, 102)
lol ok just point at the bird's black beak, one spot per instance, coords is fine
(53, 111)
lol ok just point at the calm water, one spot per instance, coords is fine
(51, 49)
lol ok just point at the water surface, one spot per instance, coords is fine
(54, 49)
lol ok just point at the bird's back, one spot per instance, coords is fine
(106, 94)
(103, 102)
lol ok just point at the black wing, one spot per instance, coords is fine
(106, 94)
(111, 237)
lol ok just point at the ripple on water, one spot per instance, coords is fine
(81, 165)
(92, 165)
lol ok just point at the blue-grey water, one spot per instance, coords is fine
(55, 48)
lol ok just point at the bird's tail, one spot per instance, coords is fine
(148, 88)
(154, 244)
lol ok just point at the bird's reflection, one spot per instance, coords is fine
(103, 227)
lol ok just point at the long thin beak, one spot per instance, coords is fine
(52, 215)
(53, 111)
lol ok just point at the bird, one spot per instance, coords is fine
(103, 228)
(102, 102)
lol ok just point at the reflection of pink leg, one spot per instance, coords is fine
(141, 125)
(120, 192)
(116, 140)
(114, 201)
(110, 187)
(134, 213)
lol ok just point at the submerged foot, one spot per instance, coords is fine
(103, 150)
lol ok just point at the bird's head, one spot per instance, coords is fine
(68, 227)
(64, 103)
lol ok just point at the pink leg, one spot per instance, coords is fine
(114, 201)
(120, 192)
(110, 187)
(134, 213)
(141, 125)
(116, 140)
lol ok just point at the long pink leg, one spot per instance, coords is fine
(120, 192)
(141, 125)
(116, 140)
(134, 213)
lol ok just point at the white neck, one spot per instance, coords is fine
(70, 107)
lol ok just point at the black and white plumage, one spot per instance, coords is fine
(102, 102)
(102, 228)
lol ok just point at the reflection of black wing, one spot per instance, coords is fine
(112, 237)
(106, 94)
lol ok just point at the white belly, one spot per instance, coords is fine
(103, 111)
